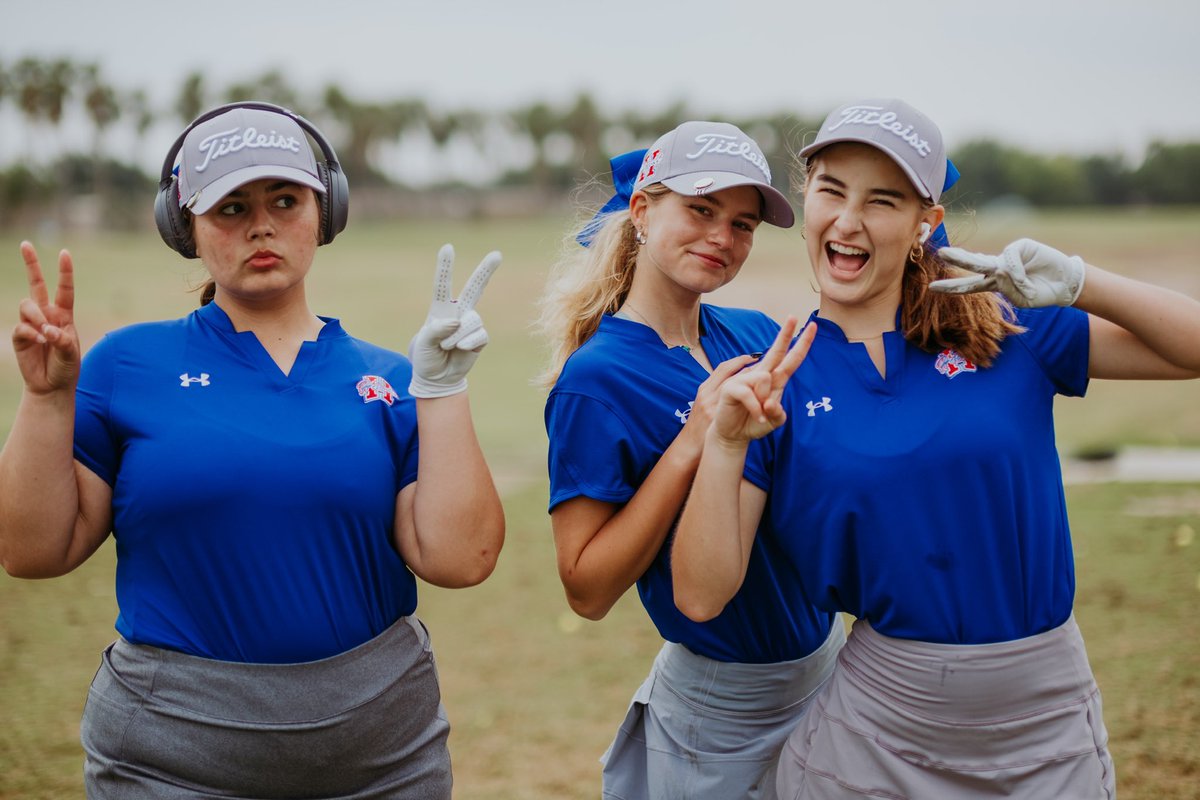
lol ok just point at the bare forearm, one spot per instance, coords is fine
(39, 499)
(626, 545)
(1167, 322)
(710, 553)
(458, 520)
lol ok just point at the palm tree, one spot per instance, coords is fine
(585, 126)
(538, 121)
(192, 97)
(137, 108)
(100, 102)
(28, 76)
(270, 87)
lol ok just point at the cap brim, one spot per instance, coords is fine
(808, 152)
(776, 208)
(203, 201)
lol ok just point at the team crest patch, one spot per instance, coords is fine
(951, 364)
(373, 387)
(649, 162)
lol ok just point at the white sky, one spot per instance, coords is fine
(1048, 75)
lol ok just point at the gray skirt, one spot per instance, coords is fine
(907, 719)
(367, 723)
(700, 729)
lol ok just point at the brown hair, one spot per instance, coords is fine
(972, 324)
(587, 283)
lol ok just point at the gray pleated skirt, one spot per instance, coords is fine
(367, 723)
(906, 719)
(699, 729)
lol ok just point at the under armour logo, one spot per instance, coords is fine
(812, 407)
(186, 380)
(683, 415)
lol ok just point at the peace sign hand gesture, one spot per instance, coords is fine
(45, 341)
(447, 345)
(750, 401)
(1030, 274)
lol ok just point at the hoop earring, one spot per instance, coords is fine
(917, 253)
(639, 237)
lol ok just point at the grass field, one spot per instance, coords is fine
(533, 692)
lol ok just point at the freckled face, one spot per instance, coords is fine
(862, 216)
(258, 243)
(698, 243)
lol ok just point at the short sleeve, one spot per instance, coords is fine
(96, 445)
(1058, 339)
(591, 452)
(760, 455)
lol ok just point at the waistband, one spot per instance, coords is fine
(257, 692)
(747, 688)
(970, 682)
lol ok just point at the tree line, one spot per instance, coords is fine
(546, 148)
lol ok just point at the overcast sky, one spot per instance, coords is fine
(1048, 75)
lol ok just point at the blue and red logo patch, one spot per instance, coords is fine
(951, 364)
(373, 387)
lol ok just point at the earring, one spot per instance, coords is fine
(917, 253)
(639, 237)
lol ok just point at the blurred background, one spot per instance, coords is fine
(490, 125)
(466, 109)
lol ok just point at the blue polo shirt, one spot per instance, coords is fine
(930, 502)
(252, 511)
(619, 403)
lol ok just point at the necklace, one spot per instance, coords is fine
(687, 345)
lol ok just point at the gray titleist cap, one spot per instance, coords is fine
(699, 158)
(239, 146)
(896, 128)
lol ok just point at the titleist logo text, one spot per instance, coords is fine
(235, 139)
(869, 115)
(730, 146)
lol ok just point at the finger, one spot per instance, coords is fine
(795, 357)
(473, 341)
(964, 285)
(727, 368)
(469, 323)
(478, 280)
(32, 314)
(435, 331)
(779, 347)
(444, 274)
(64, 295)
(33, 271)
(974, 262)
(744, 397)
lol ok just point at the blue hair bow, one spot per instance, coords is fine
(940, 238)
(624, 173)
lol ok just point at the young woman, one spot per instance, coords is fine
(637, 364)
(259, 469)
(916, 484)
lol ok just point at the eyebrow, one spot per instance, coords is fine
(274, 187)
(827, 178)
(748, 214)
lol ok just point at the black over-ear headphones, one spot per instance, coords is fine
(173, 224)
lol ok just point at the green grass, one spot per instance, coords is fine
(535, 693)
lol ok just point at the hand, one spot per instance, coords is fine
(750, 401)
(448, 343)
(45, 341)
(1030, 274)
(708, 400)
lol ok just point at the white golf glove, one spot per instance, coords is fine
(448, 343)
(1030, 274)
